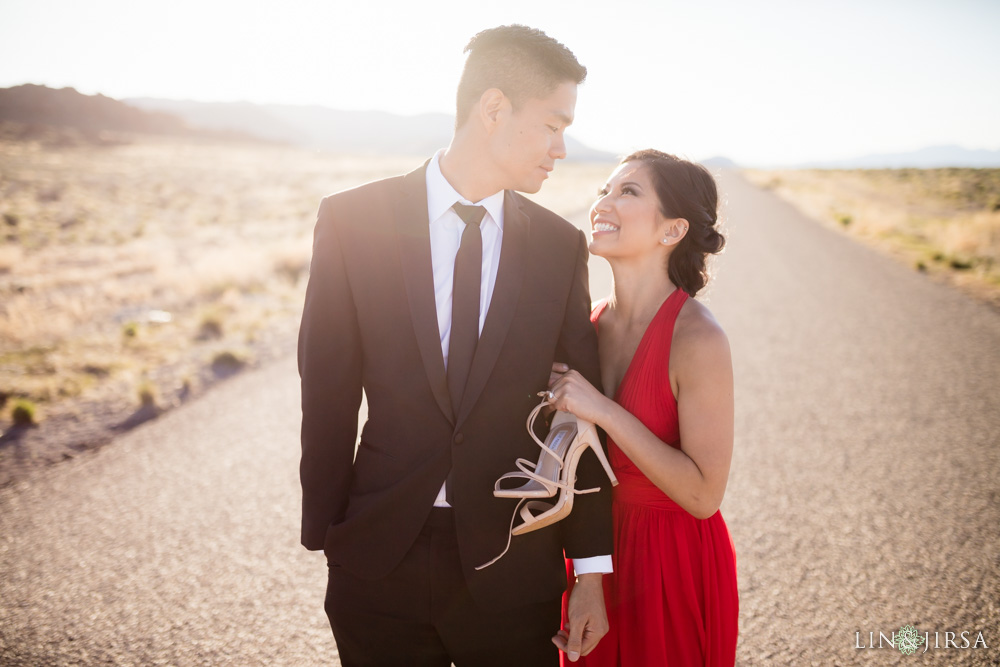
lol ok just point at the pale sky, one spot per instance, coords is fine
(764, 82)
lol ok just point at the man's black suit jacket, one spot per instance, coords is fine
(370, 323)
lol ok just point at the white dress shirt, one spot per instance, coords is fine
(446, 236)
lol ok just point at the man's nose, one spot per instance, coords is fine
(558, 148)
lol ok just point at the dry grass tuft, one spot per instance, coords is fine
(148, 394)
(945, 222)
(228, 362)
(24, 413)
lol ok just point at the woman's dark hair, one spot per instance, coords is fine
(523, 62)
(685, 190)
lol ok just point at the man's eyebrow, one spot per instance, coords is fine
(566, 120)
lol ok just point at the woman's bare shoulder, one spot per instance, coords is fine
(697, 330)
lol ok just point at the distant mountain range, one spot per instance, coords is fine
(925, 158)
(38, 105)
(322, 128)
(29, 107)
(32, 111)
(314, 127)
(719, 162)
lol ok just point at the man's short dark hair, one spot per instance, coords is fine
(522, 62)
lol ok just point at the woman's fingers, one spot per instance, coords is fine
(558, 369)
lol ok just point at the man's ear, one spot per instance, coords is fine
(493, 107)
(674, 230)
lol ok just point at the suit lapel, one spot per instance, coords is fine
(413, 231)
(506, 292)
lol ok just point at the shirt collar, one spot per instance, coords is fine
(441, 195)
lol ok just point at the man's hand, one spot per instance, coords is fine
(587, 619)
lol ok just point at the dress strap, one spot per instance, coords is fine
(674, 303)
(663, 324)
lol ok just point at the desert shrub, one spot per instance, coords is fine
(24, 413)
(97, 370)
(148, 395)
(130, 330)
(226, 362)
(69, 387)
(210, 327)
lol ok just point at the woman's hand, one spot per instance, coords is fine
(558, 370)
(575, 395)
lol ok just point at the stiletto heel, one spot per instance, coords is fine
(595, 445)
(568, 438)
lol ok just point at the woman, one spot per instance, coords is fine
(668, 413)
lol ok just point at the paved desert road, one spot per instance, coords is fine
(864, 496)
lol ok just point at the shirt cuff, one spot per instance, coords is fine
(593, 565)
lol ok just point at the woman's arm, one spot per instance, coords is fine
(695, 475)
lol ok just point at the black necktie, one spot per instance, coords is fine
(465, 302)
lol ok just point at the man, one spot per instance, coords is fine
(450, 325)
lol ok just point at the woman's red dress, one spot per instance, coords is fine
(672, 600)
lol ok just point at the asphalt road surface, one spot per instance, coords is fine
(864, 494)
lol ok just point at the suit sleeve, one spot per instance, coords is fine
(329, 359)
(587, 530)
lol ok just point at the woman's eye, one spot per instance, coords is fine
(602, 191)
(628, 191)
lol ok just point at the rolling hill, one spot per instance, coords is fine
(64, 115)
(322, 128)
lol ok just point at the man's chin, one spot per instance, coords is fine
(529, 188)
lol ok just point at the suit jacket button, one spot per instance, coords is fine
(459, 438)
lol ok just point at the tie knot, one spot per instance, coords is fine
(469, 214)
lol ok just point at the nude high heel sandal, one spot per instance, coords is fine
(542, 478)
(568, 438)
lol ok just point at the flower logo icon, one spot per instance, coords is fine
(908, 639)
